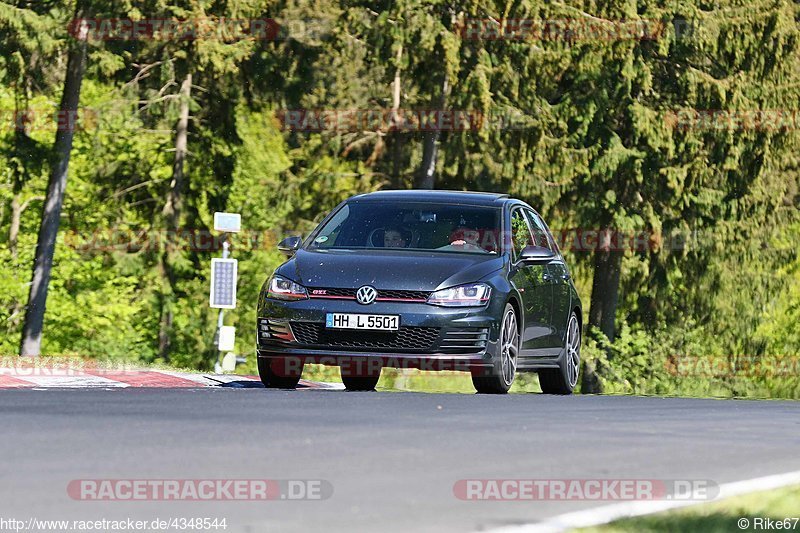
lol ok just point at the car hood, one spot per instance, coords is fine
(386, 269)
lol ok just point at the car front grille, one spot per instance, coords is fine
(405, 338)
(384, 295)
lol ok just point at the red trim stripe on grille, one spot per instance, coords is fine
(379, 299)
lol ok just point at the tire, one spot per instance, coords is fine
(278, 374)
(501, 375)
(360, 374)
(361, 383)
(562, 380)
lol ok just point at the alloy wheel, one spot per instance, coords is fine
(573, 351)
(509, 346)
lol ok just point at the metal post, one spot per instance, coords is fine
(221, 317)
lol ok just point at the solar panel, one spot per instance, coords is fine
(223, 283)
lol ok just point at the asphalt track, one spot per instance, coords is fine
(392, 458)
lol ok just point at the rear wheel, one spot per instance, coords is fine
(562, 380)
(279, 373)
(499, 379)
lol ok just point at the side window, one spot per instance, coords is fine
(520, 233)
(540, 235)
(327, 237)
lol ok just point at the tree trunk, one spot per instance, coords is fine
(172, 209)
(165, 327)
(605, 292)
(13, 229)
(17, 209)
(603, 305)
(51, 212)
(172, 214)
(20, 134)
(426, 176)
(397, 140)
(397, 159)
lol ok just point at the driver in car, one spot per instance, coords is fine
(394, 238)
(462, 236)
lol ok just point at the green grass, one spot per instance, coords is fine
(717, 517)
(395, 379)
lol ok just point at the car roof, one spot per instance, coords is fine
(422, 195)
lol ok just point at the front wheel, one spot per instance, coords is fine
(361, 374)
(562, 380)
(279, 373)
(499, 379)
(362, 383)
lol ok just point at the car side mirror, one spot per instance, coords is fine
(536, 255)
(289, 245)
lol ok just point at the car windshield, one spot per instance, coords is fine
(412, 226)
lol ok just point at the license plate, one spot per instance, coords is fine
(359, 321)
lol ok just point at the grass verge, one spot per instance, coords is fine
(752, 511)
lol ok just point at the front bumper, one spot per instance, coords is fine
(430, 337)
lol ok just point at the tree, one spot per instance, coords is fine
(51, 212)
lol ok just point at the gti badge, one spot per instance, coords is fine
(366, 295)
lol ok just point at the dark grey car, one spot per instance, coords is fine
(436, 280)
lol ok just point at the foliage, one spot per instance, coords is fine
(580, 128)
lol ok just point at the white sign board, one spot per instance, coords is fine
(229, 362)
(223, 283)
(227, 339)
(228, 222)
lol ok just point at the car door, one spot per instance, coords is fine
(534, 285)
(559, 278)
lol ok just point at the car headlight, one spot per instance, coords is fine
(462, 296)
(281, 288)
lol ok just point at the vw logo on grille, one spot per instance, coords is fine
(366, 295)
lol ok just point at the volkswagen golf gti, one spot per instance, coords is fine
(435, 280)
